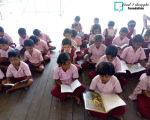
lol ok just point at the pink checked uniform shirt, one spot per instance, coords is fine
(41, 46)
(45, 37)
(21, 40)
(5, 53)
(77, 40)
(9, 39)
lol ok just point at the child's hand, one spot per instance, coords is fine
(35, 65)
(147, 92)
(8, 82)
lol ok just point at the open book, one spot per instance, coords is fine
(71, 88)
(15, 84)
(134, 68)
(19, 48)
(81, 34)
(125, 45)
(78, 49)
(112, 32)
(103, 103)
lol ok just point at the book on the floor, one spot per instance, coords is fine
(78, 49)
(81, 34)
(66, 88)
(133, 68)
(103, 104)
(125, 45)
(14, 84)
(19, 47)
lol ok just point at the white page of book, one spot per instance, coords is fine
(19, 47)
(65, 88)
(78, 49)
(123, 46)
(136, 68)
(75, 84)
(7, 84)
(112, 101)
(124, 66)
(81, 34)
(146, 48)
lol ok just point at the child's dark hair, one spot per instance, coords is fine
(21, 31)
(98, 38)
(3, 41)
(34, 38)
(111, 23)
(77, 18)
(28, 42)
(96, 26)
(67, 30)
(74, 32)
(132, 23)
(105, 68)
(75, 24)
(66, 41)
(147, 33)
(111, 50)
(62, 58)
(36, 32)
(124, 30)
(148, 72)
(96, 19)
(1, 29)
(137, 38)
(13, 53)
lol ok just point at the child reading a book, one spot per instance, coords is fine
(96, 51)
(16, 72)
(6, 36)
(146, 44)
(131, 30)
(109, 33)
(33, 57)
(64, 74)
(106, 83)
(134, 54)
(5, 48)
(77, 20)
(67, 47)
(96, 21)
(121, 40)
(1, 79)
(142, 95)
(111, 56)
(44, 37)
(41, 46)
(23, 36)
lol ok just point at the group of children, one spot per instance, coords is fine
(104, 54)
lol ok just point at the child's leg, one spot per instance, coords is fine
(92, 74)
(38, 69)
(78, 66)
(56, 91)
(98, 114)
(121, 79)
(85, 65)
(46, 57)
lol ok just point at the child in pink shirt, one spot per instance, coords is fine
(67, 47)
(121, 40)
(41, 45)
(23, 37)
(142, 95)
(96, 51)
(44, 37)
(134, 54)
(96, 21)
(33, 57)
(106, 83)
(111, 56)
(109, 38)
(131, 30)
(1, 79)
(6, 36)
(5, 48)
(64, 74)
(16, 72)
(77, 20)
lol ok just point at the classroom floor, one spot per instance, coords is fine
(37, 103)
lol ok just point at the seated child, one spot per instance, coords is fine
(16, 72)
(6, 36)
(147, 43)
(131, 30)
(44, 37)
(96, 21)
(23, 36)
(96, 51)
(142, 95)
(1, 79)
(41, 46)
(67, 47)
(111, 56)
(109, 33)
(65, 73)
(106, 83)
(77, 20)
(33, 57)
(121, 40)
(5, 48)
(134, 54)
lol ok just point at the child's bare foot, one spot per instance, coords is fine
(139, 114)
(118, 117)
(9, 90)
(58, 99)
(78, 99)
(26, 88)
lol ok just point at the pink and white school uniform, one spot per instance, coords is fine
(119, 42)
(79, 26)
(96, 54)
(146, 45)
(117, 64)
(45, 37)
(132, 57)
(21, 42)
(1, 76)
(73, 43)
(145, 18)
(66, 79)
(20, 74)
(111, 87)
(41, 47)
(35, 58)
(130, 33)
(143, 101)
